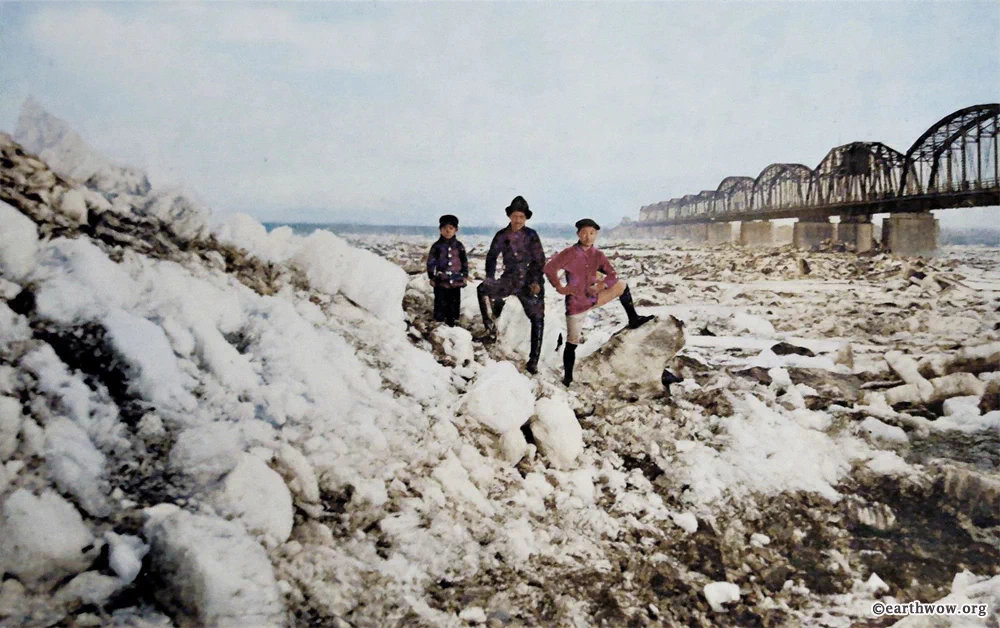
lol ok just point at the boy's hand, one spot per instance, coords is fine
(594, 288)
(535, 289)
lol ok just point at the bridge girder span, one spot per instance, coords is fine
(954, 163)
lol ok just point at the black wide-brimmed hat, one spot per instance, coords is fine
(519, 205)
(587, 222)
(448, 219)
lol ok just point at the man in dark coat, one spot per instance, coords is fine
(523, 260)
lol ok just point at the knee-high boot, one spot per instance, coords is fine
(537, 327)
(634, 320)
(485, 309)
(569, 359)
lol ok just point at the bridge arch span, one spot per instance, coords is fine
(859, 172)
(781, 185)
(958, 153)
(733, 195)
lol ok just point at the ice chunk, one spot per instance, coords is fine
(43, 537)
(875, 584)
(752, 324)
(514, 331)
(74, 205)
(513, 446)
(369, 491)
(77, 465)
(759, 540)
(455, 480)
(473, 615)
(881, 431)
(720, 593)
(780, 377)
(185, 217)
(10, 425)
(906, 367)
(685, 521)
(455, 342)
(13, 326)
(965, 406)
(257, 495)
(374, 283)
(519, 540)
(634, 355)
(501, 398)
(889, 463)
(18, 243)
(212, 572)
(90, 587)
(80, 283)
(557, 431)
(125, 556)
(246, 232)
(207, 452)
(144, 346)
(298, 473)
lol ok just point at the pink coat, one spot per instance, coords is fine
(581, 266)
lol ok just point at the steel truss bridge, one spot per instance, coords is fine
(953, 164)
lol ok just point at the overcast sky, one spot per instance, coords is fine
(395, 113)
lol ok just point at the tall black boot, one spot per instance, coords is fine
(488, 324)
(439, 303)
(569, 359)
(537, 327)
(634, 320)
(453, 311)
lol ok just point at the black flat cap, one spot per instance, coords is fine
(448, 219)
(587, 222)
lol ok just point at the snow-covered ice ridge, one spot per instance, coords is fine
(235, 427)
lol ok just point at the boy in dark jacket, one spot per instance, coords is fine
(448, 270)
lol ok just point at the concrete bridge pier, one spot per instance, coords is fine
(696, 232)
(720, 233)
(858, 231)
(911, 234)
(757, 233)
(809, 233)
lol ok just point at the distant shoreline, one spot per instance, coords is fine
(961, 236)
(304, 228)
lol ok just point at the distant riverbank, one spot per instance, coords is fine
(304, 228)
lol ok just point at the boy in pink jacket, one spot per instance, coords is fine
(580, 263)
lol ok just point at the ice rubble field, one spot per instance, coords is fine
(194, 435)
